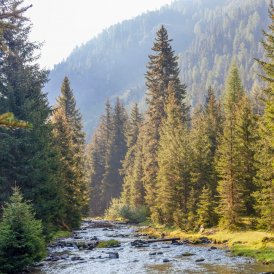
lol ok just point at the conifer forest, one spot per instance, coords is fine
(167, 161)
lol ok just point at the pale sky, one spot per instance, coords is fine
(64, 24)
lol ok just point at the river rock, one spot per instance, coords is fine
(199, 260)
(166, 260)
(77, 258)
(64, 256)
(186, 242)
(177, 243)
(77, 237)
(188, 254)
(202, 240)
(113, 255)
(152, 253)
(55, 258)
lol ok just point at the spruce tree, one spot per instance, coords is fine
(161, 70)
(246, 134)
(205, 211)
(130, 166)
(21, 239)
(230, 186)
(201, 161)
(265, 149)
(70, 143)
(137, 191)
(99, 149)
(213, 126)
(112, 179)
(173, 180)
(27, 157)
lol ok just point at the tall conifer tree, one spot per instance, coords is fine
(246, 134)
(70, 143)
(100, 147)
(112, 179)
(162, 69)
(27, 158)
(265, 149)
(230, 186)
(173, 180)
(130, 166)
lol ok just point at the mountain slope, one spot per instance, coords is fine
(207, 35)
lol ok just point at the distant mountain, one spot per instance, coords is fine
(207, 35)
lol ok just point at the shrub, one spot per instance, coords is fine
(135, 215)
(114, 210)
(120, 211)
(21, 239)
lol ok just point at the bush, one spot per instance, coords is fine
(21, 239)
(120, 211)
(136, 215)
(114, 210)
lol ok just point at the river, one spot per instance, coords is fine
(161, 257)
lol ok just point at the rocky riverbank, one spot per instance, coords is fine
(137, 253)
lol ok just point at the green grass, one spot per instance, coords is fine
(60, 234)
(250, 243)
(108, 244)
(264, 254)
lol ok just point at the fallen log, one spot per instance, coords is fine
(163, 240)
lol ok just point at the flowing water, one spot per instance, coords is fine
(161, 257)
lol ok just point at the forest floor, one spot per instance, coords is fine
(250, 243)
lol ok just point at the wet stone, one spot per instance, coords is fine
(113, 255)
(188, 254)
(64, 256)
(199, 260)
(166, 260)
(77, 258)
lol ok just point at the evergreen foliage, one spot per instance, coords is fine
(112, 179)
(173, 179)
(265, 149)
(108, 150)
(132, 193)
(8, 120)
(246, 133)
(162, 70)
(98, 152)
(27, 157)
(188, 173)
(205, 210)
(21, 239)
(230, 186)
(69, 140)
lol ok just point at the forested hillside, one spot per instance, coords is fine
(199, 158)
(207, 35)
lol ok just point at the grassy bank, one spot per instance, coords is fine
(60, 234)
(255, 244)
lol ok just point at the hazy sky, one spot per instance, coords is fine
(64, 24)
